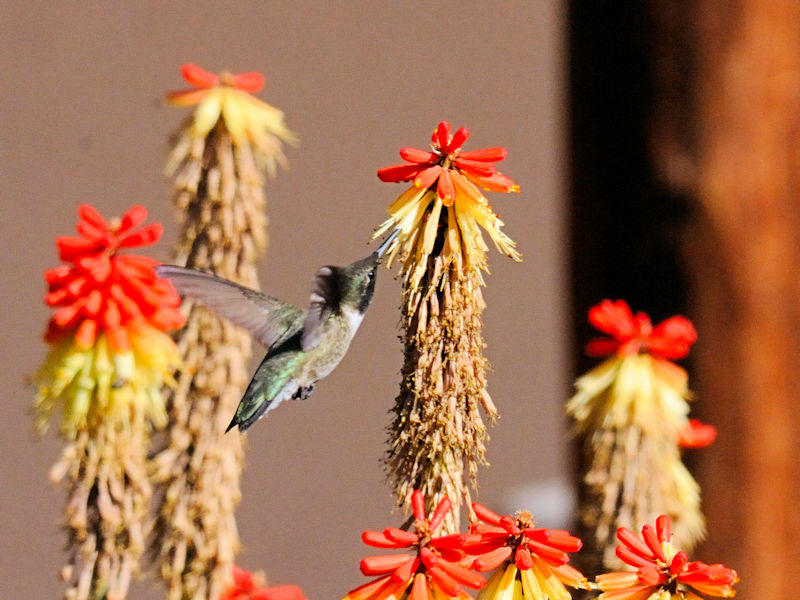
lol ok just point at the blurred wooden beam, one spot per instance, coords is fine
(744, 261)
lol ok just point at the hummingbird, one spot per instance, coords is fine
(303, 345)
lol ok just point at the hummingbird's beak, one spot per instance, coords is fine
(387, 243)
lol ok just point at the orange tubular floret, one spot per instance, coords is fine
(463, 575)
(663, 528)
(404, 571)
(550, 555)
(497, 182)
(87, 333)
(88, 213)
(70, 248)
(492, 559)
(454, 540)
(445, 188)
(426, 177)
(198, 77)
(406, 538)
(396, 173)
(459, 137)
(133, 217)
(415, 155)
(146, 236)
(439, 514)
(630, 539)
(509, 525)
(627, 555)
(651, 539)
(418, 505)
(378, 565)
(617, 580)
(485, 514)
(523, 558)
(442, 579)
(184, 98)
(441, 134)
(248, 82)
(485, 154)
(476, 167)
(639, 592)
(379, 540)
(570, 576)
(370, 589)
(420, 590)
(558, 538)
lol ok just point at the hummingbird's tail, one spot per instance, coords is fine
(270, 386)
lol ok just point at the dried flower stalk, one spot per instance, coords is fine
(438, 437)
(219, 192)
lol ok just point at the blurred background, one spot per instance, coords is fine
(656, 146)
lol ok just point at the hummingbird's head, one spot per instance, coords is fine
(357, 281)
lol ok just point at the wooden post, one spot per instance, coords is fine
(744, 257)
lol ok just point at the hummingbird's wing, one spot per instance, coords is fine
(324, 296)
(268, 319)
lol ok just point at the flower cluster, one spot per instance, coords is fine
(534, 561)
(435, 567)
(662, 571)
(246, 586)
(447, 166)
(446, 190)
(632, 334)
(105, 291)
(111, 309)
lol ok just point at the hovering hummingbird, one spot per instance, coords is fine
(303, 345)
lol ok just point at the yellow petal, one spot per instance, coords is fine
(533, 591)
(207, 114)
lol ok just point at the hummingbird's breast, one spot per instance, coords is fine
(337, 334)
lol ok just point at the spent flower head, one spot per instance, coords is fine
(531, 562)
(434, 566)
(662, 571)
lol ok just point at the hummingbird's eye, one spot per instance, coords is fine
(370, 275)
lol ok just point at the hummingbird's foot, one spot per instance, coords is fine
(303, 392)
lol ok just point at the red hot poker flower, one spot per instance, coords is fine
(696, 435)
(660, 567)
(104, 290)
(447, 165)
(204, 81)
(434, 567)
(537, 557)
(247, 586)
(632, 334)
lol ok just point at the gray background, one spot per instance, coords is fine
(83, 121)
